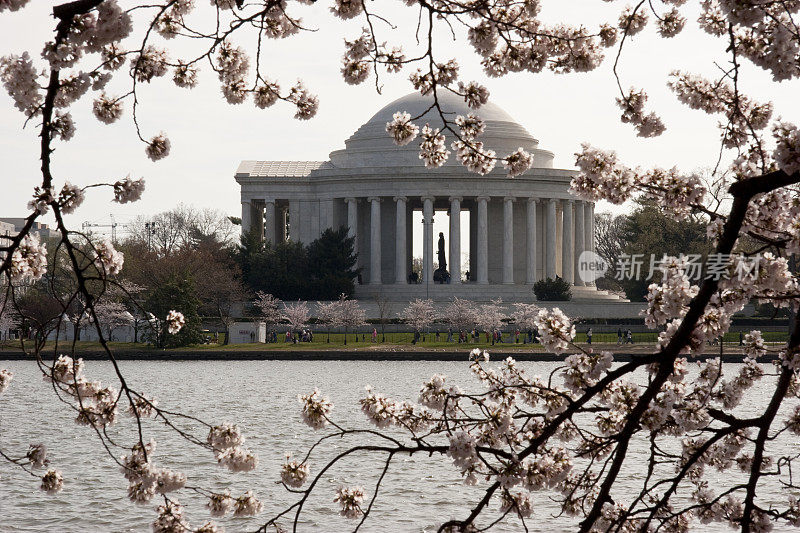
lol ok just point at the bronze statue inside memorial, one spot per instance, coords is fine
(441, 275)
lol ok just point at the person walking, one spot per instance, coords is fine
(619, 336)
(629, 337)
(589, 336)
(374, 335)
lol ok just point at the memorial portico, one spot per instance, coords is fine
(519, 229)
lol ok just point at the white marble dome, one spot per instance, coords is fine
(371, 146)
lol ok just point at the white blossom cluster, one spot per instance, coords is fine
(601, 176)
(669, 299)
(518, 162)
(70, 198)
(52, 482)
(432, 149)
(42, 198)
(227, 443)
(632, 106)
(754, 346)
(5, 379)
(350, 500)
(107, 110)
(787, 151)
(175, 321)
(384, 412)
(158, 147)
(402, 130)
(19, 78)
(98, 404)
(583, 370)
(145, 480)
(29, 260)
(128, 190)
(293, 473)
(109, 261)
(316, 409)
(555, 330)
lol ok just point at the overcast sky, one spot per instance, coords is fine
(210, 137)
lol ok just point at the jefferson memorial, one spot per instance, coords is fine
(520, 229)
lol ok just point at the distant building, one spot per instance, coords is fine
(520, 230)
(10, 226)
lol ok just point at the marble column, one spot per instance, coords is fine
(508, 240)
(269, 220)
(588, 227)
(530, 272)
(284, 223)
(352, 223)
(580, 235)
(427, 239)
(550, 254)
(375, 240)
(247, 223)
(455, 239)
(567, 249)
(483, 240)
(294, 220)
(400, 240)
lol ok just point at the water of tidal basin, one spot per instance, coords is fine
(261, 396)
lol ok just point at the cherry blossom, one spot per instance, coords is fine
(555, 329)
(42, 198)
(158, 147)
(109, 261)
(220, 503)
(37, 455)
(294, 474)
(602, 177)
(350, 499)
(432, 148)
(402, 130)
(128, 190)
(20, 80)
(107, 110)
(518, 162)
(29, 260)
(316, 409)
(52, 482)
(247, 505)
(419, 314)
(5, 379)
(175, 321)
(70, 198)
(787, 151)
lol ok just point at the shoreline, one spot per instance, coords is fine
(345, 355)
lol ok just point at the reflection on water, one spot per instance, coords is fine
(261, 396)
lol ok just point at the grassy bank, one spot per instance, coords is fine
(643, 343)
